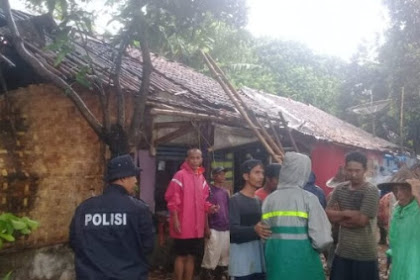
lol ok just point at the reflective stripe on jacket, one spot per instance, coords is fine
(299, 225)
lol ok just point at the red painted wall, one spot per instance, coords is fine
(327, 157)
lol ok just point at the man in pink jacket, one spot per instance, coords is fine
(187, 203)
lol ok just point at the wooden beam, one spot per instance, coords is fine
(173, 135)
(229, 121)
(289, 133)
(170, 124)
(275, 133)
(153, 136)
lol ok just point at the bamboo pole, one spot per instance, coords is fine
(275, 133)
(277, 157)
(402, 119)
(270, 140)
(223, 76)
(289, 133)
(276, 148)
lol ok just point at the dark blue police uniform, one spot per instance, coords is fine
(111, 235)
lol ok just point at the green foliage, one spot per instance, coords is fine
(8, 276)
(81, 77)
(397, 67)
(61, 45)
(178, 29)
(301, 74)
(284, 68)
(11, 225)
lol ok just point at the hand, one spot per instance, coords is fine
(262, 230)
(415, 187)
(349, 214)
(214, 209)
(278, 159)
(177, 226)
(335, 207)
(207, 233)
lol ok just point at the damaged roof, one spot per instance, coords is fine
(178, 87)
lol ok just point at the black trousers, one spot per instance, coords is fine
(347, 269)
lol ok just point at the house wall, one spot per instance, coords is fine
(147, 178)
(50, 161)
(327, 157)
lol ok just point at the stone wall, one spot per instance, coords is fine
(47, 263)
(50, 161)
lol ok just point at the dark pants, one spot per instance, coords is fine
(346, 269)
(255, 276)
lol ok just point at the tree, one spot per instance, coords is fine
(143, 22)
(400, 57)
(395, 69)
(301, 74)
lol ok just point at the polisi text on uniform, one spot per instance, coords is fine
(106, 219)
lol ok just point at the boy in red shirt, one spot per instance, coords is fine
(272, 172)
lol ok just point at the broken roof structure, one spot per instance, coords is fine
(182, 91)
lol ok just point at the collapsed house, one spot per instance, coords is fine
(51, 160)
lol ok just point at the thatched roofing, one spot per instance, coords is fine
(175, 86)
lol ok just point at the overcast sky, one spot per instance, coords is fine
(332, 27)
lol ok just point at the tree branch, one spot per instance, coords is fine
(116, 77)
(43, 71)
(141, 97)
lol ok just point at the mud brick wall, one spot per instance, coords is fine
(50, 161)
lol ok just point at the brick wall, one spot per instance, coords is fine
(50, 161)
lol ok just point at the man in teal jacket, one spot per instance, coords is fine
(404, 237)
(299, 225)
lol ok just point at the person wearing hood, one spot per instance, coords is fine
(186, 198)
(317, 191)
(300, 228)
(404, 235)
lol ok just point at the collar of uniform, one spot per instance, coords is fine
(115, 188)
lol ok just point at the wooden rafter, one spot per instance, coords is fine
(174, 134)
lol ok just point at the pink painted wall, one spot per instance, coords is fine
(147, 178)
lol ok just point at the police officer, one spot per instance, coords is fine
(112, 234)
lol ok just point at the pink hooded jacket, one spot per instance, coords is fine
(187, 194)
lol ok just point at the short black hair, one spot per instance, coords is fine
(357, 157)
(249, 164)
(272, 170)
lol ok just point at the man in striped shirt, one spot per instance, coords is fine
(354, 206)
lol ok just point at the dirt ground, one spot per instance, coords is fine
(162, 275)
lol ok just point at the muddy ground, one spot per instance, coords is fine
(162, 275)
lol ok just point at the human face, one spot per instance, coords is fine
(219, 178)
(194, 159)
(271, 183)
(129, 184)
(355, 172)
(403, 194)
(255, 177)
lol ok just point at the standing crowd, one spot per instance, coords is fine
(276, 226)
